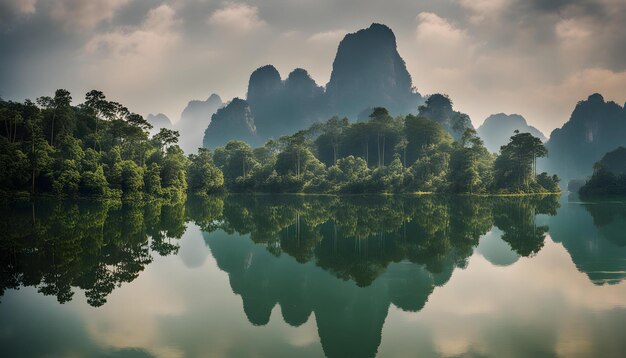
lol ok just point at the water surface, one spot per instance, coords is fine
(284, 276)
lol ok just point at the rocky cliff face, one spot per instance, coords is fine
(369, 72)
(232, 122)
(194, 120)
(498, 128)
(594, 128)
(283, 107)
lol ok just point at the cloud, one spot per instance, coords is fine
(581, 84)
(483, 9)
(156, 33)
(127, 60)
(235, 18)
(444, 45)
(22, 6)
(489, 55)
(83, 15)
(332, 37)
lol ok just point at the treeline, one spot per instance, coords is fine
(384, 155)
(100, 148)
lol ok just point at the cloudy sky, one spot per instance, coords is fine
(532, 57)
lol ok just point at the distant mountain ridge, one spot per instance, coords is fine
(194, 120)
(367, 72)
(498, 128)
(158, 121)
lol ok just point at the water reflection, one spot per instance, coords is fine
(384, 250)
(95, 246)
(594, 234)
(342, 261)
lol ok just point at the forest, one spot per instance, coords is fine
(101, 149)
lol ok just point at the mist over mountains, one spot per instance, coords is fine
(367, 72)
(158, 121)
(497, 128)
(194, 119)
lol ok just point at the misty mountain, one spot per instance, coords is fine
(369, 72)
(615, 161)
(594, 128)
(194, 120)
(232, 122)
(498, 128)
(438, 107)
(158, 121)
(283, 107)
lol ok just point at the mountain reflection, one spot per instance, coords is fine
(344, 259)
(594, 234)
(384, 250)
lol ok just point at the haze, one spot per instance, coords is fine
(535, 58)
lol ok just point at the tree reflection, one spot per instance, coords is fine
(58, 246)
(347, 259)
(95, 246)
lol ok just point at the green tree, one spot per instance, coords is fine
(203, 176)
(165, 138)
(421, 133)
(329, 141)
(470, 165)
(59, 112)
(515, 167)
(94, 183)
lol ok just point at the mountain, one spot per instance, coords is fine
(615, 161)
(158, 121)
(283, 107)
(195, 119)
(498, 128)
(369, 72)
(594, 128)
(232, 122)
(438, 107)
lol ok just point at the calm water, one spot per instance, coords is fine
(298, 276)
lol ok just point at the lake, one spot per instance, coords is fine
(311, 276)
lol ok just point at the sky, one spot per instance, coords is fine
(537, 58)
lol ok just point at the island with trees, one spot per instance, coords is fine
(101, 149)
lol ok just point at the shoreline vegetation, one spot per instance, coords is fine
(99, 149)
